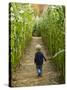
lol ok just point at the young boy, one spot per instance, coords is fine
(38, 60)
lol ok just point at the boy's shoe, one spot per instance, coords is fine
(39, 75)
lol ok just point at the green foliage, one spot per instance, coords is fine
(21, 30)
(51, 26)
(53, 32)
(36, 30)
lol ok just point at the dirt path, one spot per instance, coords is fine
(26, 75)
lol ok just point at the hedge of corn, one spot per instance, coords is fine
(52, 27)
(21, 23)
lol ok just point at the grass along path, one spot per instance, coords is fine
(26, 75)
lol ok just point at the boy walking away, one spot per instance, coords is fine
(38, 60)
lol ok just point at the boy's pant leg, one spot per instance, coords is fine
(39, 70)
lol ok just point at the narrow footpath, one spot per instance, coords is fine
(26, 75)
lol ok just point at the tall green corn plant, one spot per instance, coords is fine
(21, 30)
(53, 32)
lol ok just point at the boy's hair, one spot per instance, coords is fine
(38, 47)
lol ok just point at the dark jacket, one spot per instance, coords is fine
(39, 58)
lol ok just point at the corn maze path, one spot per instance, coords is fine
(26, 74)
